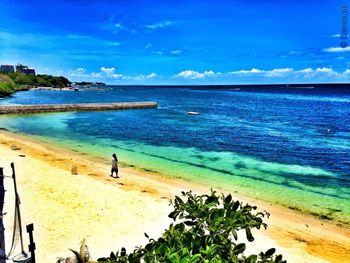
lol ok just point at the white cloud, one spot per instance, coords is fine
(279, 72)
(346, 72)
(114, 43)
(260, 74)
(336, 49)
(113, 27)
(293, 52)
(107, 73)
(327, 71)
(96, 74)
(191, 74)
(159, 25)
(117, 25)
(148, 46)
(254, 75)
(79, 72)
(247, 72)
(107, 70)
(143, 77)
(152, 75)
(176, 52)
(335, 35)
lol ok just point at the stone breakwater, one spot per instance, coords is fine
(41, 108)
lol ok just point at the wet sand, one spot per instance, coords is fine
(111, 213)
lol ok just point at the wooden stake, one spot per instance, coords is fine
(2, 229)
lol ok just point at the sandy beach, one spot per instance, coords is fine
(111, 213)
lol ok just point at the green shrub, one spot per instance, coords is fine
(38, 80)
(7, 87)
(204, 230)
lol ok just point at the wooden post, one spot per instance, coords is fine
(31, 245)
(17, 207)
(2, 229)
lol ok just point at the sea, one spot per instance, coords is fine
(287, 146)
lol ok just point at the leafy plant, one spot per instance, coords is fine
(205, 229)
(83, 256)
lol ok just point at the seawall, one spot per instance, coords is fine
(41, 108)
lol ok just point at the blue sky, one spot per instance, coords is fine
(177, 42)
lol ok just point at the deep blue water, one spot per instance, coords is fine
(296, 128)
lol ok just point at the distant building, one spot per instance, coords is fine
(21, 68)
(30, 71)
(24, 69)
(7, 69)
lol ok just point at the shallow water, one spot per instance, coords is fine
(288, 146)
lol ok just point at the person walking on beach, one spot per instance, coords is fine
(114, 166)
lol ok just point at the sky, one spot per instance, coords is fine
(177, 42)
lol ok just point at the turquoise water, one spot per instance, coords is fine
(285, 146)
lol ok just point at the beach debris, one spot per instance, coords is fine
(22, 155)
(14, 147)
(74, 170)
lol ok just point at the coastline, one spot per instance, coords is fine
(114, 213)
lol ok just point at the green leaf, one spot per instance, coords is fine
(238, 249)
(228, 199)
(210, 199)
(196, 258)
(235, 206)
(270, 252)
(190, 223)
(234, 234)
(77, 256)
(278, 258)
(249, 234)
(173, 215)
(252, 259)
(179, 200)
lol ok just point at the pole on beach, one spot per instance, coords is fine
(2, 229)
(31, 245)
(17, 207)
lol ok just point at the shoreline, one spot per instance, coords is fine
(299, 237)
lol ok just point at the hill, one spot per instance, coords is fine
(12, 82)
(7, 85)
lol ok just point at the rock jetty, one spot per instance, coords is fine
(41, 108)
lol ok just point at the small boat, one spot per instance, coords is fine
(193, 113)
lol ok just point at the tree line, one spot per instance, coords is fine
(12, 82)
